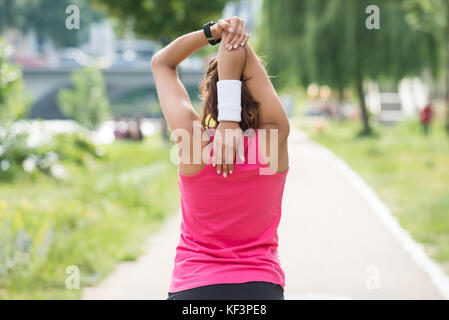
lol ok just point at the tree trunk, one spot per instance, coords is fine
(364, 112)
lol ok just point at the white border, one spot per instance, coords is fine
(416, 251)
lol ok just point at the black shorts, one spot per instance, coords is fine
(255, 290)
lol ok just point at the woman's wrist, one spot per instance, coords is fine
(229, 93)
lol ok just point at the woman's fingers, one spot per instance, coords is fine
(219, 164)
(234, 25)
(234, 42)
(245, 40)
(217, 154)
(228, 145)
(214, 157)
(224, 25)
(225, 162)
(228, 149)
(239, 28)
(230, 160)
(240, 153)
(239, 42)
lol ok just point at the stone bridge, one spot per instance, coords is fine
(44, 84)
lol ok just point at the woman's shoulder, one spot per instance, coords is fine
(195, 153)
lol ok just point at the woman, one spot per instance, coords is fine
(231, 206)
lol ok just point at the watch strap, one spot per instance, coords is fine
(208, 33)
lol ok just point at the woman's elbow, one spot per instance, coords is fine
(156, 61)
(284, 129)
(160, 59)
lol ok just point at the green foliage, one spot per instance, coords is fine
(17, 159)
(76, 147)
(87, 103)
(163, 20)
(47, 18)
(14, 103)
(326, 42)
(430, 16)
(98, 217)
(13, 152)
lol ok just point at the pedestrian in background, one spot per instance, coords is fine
(426, 116)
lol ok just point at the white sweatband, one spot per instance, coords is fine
(229, 96)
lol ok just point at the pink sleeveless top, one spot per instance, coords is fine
(229, 225)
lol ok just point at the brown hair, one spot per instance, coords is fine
(208, 90)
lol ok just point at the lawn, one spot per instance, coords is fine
(100, 215)
(408, 170)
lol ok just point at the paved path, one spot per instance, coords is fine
(332, 244)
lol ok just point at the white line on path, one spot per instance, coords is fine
(414, 249)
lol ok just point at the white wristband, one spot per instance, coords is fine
(229, 96)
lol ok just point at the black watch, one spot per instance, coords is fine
(208, 34)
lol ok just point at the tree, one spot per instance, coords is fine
(47, 18)
(87, 103)
(14, 103)
(327, 42)
(162, 20)
(432, 17)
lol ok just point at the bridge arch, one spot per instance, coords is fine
(44, 85)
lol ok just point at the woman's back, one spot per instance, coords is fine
(229, 227)
(230, 241)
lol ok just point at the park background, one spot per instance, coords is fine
(85, 170)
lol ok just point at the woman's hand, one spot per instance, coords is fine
(238, 37)
(220, 27)
(235, 26)
(228, 143)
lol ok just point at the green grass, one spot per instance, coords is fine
(408, 170)
(97, 217)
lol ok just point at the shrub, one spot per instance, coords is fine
(14, 103)
(87, 102)
(18, 159)
(75, 147)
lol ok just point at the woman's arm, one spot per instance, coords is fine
(272, 114)
(227, 145)
(173, 97)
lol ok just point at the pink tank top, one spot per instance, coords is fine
(229, 225)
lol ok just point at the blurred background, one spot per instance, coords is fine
(85, 171)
